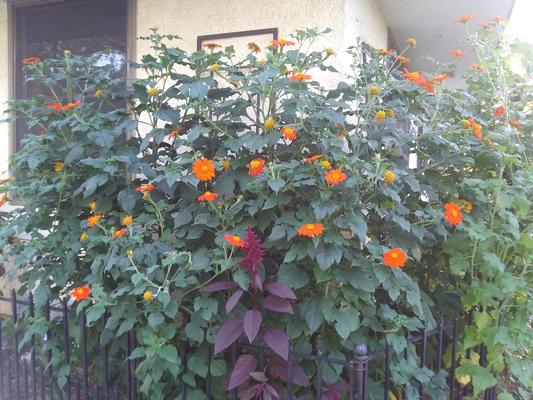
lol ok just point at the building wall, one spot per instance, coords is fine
(4, 85)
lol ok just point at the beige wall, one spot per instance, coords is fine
(4, 86)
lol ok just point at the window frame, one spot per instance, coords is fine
(13, 5)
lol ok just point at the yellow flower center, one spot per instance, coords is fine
(394, 255)
(335, 176)
(310, 227)
(204, 168)
(255, 164)
(454, 213)
(236, 238)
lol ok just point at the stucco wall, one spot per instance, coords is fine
(4, 85)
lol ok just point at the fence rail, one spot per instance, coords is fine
(29, 369)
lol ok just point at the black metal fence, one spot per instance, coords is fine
(85, 369)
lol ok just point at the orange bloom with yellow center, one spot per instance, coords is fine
(119, 233)
(31, 60)
(299, 77)
(453, 213)
(311, 230)
(80, 293)
(477, 130)
(463, 19)
(59, 166)
(234, 240)
(204, 169)
(457, 53)
(256, 166)
(175, 132)
(394, 258)
(335, 176)
(477, 67)
(389, 176)
(207, 196)
(385, 52)
(253, 47)
(500, 111)
(402, 59)
(93, 220)
(466, 123)
(466, 205)
(439, 78)
(515, 124)
(288, 133)
(145, 188)
(127, 220)
(3, 199)
(282, 42)
(313, 158)
(380, 116)
(212, 46)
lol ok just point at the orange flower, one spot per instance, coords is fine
(465, 205)
(282, 42)
(335, 176)
(80, 293)
(256, 166)
(70, 106)
(93, 220)
(411, 42)
(402, 59)
(299, 77)
(175, 132)
(313, 158)
(59, 166)
(477, 131)
(389, 176)
(466, 123)
(413, 77)
(477, 67)
(498, 19)
(439, 78)
(253, 47)
(452, 213)
(463, 19)
(499, 111)
(311, 230)
(31, 60)
(207, 196)
(234, 240)
(385, 52)
(119, 233)
(3, 199)
(145, 188)
(58, 107)
(127, 220)
(211, 46)
(394, 258)
(204, 169)
(330, 51)
(288, 133)
(515, 124)
(380, 116)
(457, 53)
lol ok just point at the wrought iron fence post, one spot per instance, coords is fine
(16, 339)
(454, 355)
(361, 369)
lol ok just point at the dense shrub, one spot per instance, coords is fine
(240, 199)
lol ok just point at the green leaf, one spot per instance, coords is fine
(155, 319)
(276, 184)
(127, 199)
(347, 321)
(292, 276)
(481, 377)
(494, 262)
(94, 313)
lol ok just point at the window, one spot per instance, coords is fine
(84, 27)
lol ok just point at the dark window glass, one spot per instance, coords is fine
(84, 27)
